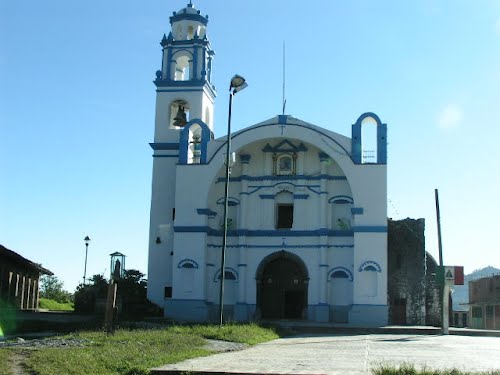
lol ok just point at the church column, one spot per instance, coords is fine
(323, 205)
(242, 220)
(323, 269)
(209, 284)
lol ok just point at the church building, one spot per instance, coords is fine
(307, 214)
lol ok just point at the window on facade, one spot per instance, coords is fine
(284, 216)
(489, 311)
(168, 292)
(477, 312)
(369, 140)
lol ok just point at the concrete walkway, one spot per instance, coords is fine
(348, 354)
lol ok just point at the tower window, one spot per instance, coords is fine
(369, 141)
(284, 216)
(179, 114)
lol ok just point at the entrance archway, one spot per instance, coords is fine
(282, 282)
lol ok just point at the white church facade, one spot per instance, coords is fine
(307, 215)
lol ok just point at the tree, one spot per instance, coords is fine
(52, 288)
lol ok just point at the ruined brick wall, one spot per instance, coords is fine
(406, 272)
(432, 294)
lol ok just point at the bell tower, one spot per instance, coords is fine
(184, 88)
(183, 127)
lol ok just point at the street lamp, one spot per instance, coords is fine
(87, 240)
(237, 84)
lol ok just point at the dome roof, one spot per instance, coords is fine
(189, 13)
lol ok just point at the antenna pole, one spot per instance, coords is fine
(284, 100)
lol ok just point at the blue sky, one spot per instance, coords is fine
(77, 111)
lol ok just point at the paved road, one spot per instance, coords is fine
(350, 354)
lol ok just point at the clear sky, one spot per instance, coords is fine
(77, 111)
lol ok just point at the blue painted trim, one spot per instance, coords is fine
(357, 210)
(301, 196)
(210, 265)
(258, 187)
(226, 269)
(206, 136)
(285, 146)
(265, 233)
(188, 16)
(231, 201)
(341, 199)
(321, 304)
(266, 196)
(245, 158)
(374, 266)
(349, 274)
(252, 128)
(165, 156)
(282, 119)
(242, 265)
(283, 178)
(356, 140)
(370, 229)
(368, 304)
(206, 211)
(187, 261)
(164, 146)
(281, 232)
(169, 65)
(283, 246)
(184, 86)
(186, 300)
(323, 265)
(193, 229)
(195, 63)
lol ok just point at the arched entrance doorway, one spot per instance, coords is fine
(282, 282)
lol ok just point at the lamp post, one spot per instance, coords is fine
(87, 240)
(237, 84)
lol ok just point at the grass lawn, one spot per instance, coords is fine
(410, 369)
(4, 367)
(133, 352)
(52, 305)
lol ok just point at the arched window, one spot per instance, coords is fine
(179, 114)
(368, 278)
(230, 287)
(369, 140)
(340, 287)
(182, 68)
(187, 275)
(194, 149)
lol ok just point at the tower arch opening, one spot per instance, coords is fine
(182, 68)
(179, 114)
(369, 140)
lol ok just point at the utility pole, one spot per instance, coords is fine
(444, 288)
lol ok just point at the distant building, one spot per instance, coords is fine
(19, 280)
(413, 292)
(484, 301)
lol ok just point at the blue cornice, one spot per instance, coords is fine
(283, 246)
(285, 146)
(164, 146)
(206, 211)
(282, 232)
(168, 85)
(283, 178)
(188, 16)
